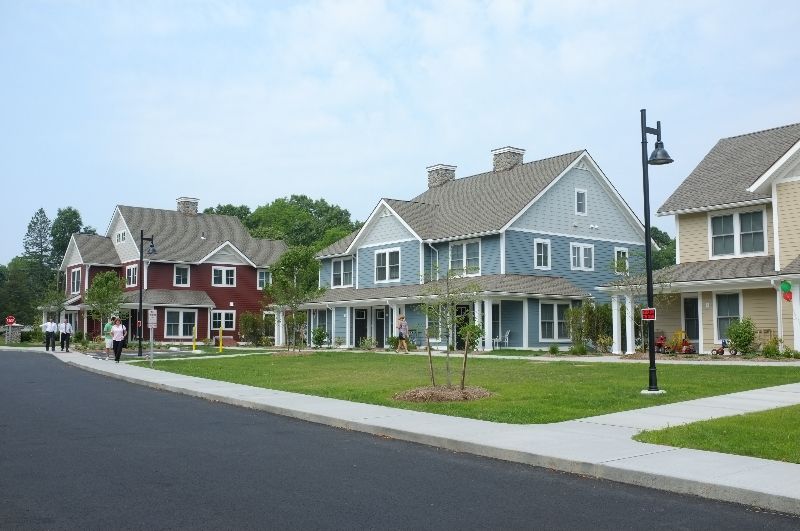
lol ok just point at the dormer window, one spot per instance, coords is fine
(342, 273)
(119, 237)
(580, 202)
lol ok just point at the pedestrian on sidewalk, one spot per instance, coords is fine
(107, 336)
(50, 329)
(402, 334)
(65, 329)
(118, 336)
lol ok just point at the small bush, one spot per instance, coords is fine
(318, 337)
(772, 348)
(392, 342)
(338, 341)
(553, 349)
(26, 337)
(604, 343)
(741, 335)
(367, 343)
(578, 349)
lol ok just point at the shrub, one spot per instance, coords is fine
(741, 335)
(318, 337)
(26, 337)
(772, 348)
(578, 349)
(251, 327)
(367, 343)
(474, 331)
(553, 349)
(604, 343)
(338, 341)
(392, 342)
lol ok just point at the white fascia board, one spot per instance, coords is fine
(772, 170)
(693, 285)
(710, 208)
(72, 243)
(232, 246)
(375, 210)
(111, 221)
(464, 236)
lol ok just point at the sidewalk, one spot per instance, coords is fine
(598, 446)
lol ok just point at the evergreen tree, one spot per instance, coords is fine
(38, 252)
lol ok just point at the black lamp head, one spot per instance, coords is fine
(659, 155)
(151, 249)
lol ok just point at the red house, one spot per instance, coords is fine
(205, 272)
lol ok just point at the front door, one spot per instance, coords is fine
(380, 328)
(360, 327)
(462, 318)
(691, 320)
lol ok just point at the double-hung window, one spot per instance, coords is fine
(387, 265)
(620, 260)
(264, 279)
(131, 275)
(727, 312)
(582, 256)
(737, 234)
(223, 276)
(75, 281)
(225, 319)
(181, 275)
(580, 202)
(179, 323)
(342, 272)
(542, 250)
(465, 258)
(120, 237)
(553, 321)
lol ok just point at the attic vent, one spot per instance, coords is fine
(385, 213)
(439, 174)
(506, 158)
(188, 205)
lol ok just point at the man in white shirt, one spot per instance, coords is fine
(66, 331)
(50, 329)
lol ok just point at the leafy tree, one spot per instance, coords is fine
(300, 220)
(665, 256)
(88, 229)
(105, 296)
(67, 222)
(294, 282)
(242, 211)
(52, 301)
(16, 297)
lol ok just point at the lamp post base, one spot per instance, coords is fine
(649, 392)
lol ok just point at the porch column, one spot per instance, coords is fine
(630, 331)
(796, 315)
(525, 323)
(478, 314)
(779, 308)
(347, 326)
(487, 325)
(278, 327)
(616, 326)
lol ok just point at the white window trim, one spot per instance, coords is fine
(717, 339)
(581, 246)
(627, 260)
(549, 266)
(352, 272)
(127, 276)
(737, 233)
(399, 265)
(463, 244)
(555, 304)
(180, 323)
(188, 275)
(585, 202)
(223, 269)
(75, 281)
(267, 275)
(222, 319)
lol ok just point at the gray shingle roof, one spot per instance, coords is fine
(188, 238)
(745, 267)
(735, 163)
(533, 285)
(339, 246)
(169, 297)
(96, 249)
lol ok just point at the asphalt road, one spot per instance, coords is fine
(80, 451)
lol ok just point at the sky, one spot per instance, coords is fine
(141, 102)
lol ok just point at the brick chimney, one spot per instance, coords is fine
(439, 174)
(188, 205)
(506, 158)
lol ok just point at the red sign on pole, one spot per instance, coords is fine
(648, 314)
(10, 320)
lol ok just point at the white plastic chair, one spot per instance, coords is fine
(502, 340)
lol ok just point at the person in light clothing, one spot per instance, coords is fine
(402, 334)
(118, 336)
(107, 336)
(50, 329)
(65, 329)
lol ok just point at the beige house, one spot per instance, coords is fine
(737, 219)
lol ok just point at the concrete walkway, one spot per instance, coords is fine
(596, 446)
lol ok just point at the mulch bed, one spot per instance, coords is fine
(442, 394)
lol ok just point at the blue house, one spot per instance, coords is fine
(536, 238)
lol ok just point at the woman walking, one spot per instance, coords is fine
(118, 337)
(402, 334)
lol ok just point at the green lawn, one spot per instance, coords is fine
(526, 392)
(773, 434)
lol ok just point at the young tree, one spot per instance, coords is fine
(67, 222)
(442, 302)
(104, 297)
(294, 282)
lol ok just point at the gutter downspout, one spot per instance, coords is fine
(435, 250)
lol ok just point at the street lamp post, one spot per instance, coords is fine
(657, 158)
(151, 249)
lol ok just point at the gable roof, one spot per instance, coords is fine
(95, 249)
(451, 210)
(724, 175)
(191, 237)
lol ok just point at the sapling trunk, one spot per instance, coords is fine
(430, 359)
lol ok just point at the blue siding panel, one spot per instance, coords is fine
(511, 319)
(490, 255)
(409, 264)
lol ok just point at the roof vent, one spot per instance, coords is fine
(188, 205)
(439, 174)
(506, 158)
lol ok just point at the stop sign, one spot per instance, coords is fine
(10, 320)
